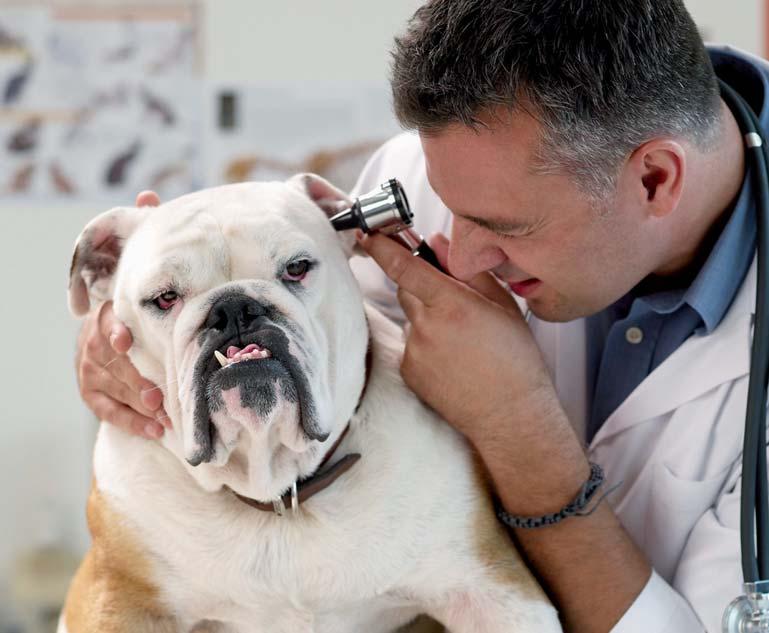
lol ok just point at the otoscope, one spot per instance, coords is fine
(386, 210)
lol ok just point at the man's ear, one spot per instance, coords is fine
(331, 200)
(659, 166)
(97, 253)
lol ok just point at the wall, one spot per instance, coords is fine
(740, 23)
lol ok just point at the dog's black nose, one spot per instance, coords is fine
(234, 312)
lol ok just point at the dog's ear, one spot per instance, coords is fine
(97, 253)
(331, 200)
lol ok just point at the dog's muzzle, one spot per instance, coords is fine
(243, 343)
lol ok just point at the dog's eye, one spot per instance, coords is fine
(167, 300)
(296, 270)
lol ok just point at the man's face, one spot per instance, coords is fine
(539, 233)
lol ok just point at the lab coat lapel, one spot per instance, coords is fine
(700, 364)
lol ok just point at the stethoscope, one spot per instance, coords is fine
(749, 613)
(386, 210)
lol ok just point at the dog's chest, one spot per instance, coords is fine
(286, 587)
(216, 558)
(384, 614)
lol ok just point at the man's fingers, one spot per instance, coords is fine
(147, 199)
(120, 338)
(162, 417)
(113, 330)
(110, 410)
(98, 379)
(150, 396)
(410, 273)
(143, 392)
(487, 285)
(410, 304)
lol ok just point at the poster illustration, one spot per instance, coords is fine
(99, 102)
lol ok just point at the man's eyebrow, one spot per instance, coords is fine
(498, 226)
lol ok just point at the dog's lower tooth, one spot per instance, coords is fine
(221, 358)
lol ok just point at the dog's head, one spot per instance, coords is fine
(255, 275)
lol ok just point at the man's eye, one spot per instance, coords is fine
(517, 234)
(296, 270)
(167, 300)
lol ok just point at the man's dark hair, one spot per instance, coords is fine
(601, 76)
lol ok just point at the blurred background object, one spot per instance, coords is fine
(39, 583)
(100, 99)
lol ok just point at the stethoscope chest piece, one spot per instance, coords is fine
(748, 613)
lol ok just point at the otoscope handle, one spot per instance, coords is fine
(419, 247)
(428, 254)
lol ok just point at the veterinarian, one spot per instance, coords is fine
(581, 154)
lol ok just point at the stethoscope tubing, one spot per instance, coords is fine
(754, 506)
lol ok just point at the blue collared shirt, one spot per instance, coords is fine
(628, 340)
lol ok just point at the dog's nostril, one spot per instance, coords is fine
(217, 319)
(249, 314)
(234, 311)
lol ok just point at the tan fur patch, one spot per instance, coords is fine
(112, 591)
(494, 546)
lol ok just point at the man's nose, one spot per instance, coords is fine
(472, 250)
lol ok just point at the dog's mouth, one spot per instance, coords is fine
(267, 345)
(234, 354)
(245, 378)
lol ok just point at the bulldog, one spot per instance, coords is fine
(303, 487)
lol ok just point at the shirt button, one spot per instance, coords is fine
(634, 335)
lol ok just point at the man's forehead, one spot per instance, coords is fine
(486, 175)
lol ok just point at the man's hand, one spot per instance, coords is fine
(109, 383)
(471, 356)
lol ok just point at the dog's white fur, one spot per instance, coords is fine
(408, 530)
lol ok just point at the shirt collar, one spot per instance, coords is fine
(715, 286)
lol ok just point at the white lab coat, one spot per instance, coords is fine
(675, 443)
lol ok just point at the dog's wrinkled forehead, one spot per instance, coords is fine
(260, 209)
(242, 230)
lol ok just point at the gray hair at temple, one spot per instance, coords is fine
(601, 76)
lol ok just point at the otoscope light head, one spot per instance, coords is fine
(384, 210)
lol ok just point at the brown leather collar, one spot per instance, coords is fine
(303, 490)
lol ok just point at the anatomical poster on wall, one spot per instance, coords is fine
(99, 102)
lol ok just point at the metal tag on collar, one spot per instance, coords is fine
(279, 507)
(294, 500)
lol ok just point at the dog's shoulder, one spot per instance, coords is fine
(386, 338)
(115, 587)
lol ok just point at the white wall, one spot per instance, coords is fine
(740, 22)
(301, 40)
(47, 432)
